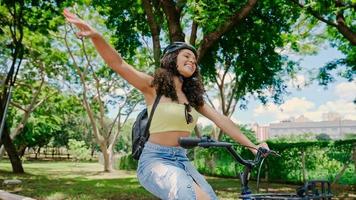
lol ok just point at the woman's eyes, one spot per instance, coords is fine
(187, 56)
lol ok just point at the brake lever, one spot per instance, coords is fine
(274, 153)
(263, 152)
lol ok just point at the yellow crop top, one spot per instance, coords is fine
(171, 117)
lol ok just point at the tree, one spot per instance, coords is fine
(99, 89)
(252, 65)
(148, 19)
(52, 122)
(14, 21)
(338, 16)
(24, 42)
(241, 39)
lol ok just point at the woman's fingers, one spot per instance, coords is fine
(265, 146)
(85, 29)
(68, 14)
(72, 18)
(79, 23)
(84, 33)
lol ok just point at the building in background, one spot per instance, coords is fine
(332, 125)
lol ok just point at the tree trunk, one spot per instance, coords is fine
(38, 152)
(107, 156)
(2, 151)
(22, 150)
(11, 151)
(197, 131)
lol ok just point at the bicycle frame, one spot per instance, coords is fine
(310, 190)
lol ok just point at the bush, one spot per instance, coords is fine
(78, 150)
(323, 160)
(126, 162)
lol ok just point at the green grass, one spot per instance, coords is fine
(68, 180)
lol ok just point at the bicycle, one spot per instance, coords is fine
(316, 189)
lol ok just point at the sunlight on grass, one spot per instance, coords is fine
(77, 181)
(99, 185)
(57, 196)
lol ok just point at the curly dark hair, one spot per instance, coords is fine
(163, 81)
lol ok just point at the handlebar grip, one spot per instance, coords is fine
(188, 142)
(263, 150)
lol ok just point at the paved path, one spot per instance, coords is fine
(8, 196)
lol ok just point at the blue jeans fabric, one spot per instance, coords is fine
(167, 173)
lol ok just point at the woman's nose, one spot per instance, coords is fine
(192, 60)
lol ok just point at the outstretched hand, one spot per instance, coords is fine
(85, 29)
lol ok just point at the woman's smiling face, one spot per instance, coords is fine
(186, 63)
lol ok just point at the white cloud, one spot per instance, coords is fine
(346, 90)
(347, 109)
(297, 106)
(301, 106)
(299, 81)
(291, 108)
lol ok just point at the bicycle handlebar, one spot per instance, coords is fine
(189, 142)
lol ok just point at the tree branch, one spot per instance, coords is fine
(17, 106)
(97, 86)
(155, 30)
(173, 16)
(87, 107)
(315, 14)
(339, 24)
(210, 101)
(344, 29)
(193, 34)
(212, 37)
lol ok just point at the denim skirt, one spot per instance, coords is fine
(167, 173)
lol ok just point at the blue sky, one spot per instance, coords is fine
(311, 100)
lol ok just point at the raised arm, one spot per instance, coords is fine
(229, 127)
(139, 80)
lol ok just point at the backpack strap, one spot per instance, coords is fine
(158, 97)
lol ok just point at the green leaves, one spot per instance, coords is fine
(249, 52)
(337, 19)
(79, 150)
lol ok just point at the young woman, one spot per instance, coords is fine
(164, 169)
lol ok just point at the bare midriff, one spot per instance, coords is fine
(168, 138)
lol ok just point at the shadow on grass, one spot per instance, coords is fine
(42, 187)
(57, 181)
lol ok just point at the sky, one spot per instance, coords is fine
(310, 100)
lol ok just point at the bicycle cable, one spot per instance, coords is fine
(258, 175)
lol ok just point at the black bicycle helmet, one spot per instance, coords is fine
(177, 46)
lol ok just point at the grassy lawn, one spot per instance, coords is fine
(68, 180)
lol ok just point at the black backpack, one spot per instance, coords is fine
(140, 130)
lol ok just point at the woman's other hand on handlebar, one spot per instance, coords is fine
(263, 145)
(85, 29)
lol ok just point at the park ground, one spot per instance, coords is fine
(52, 180)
